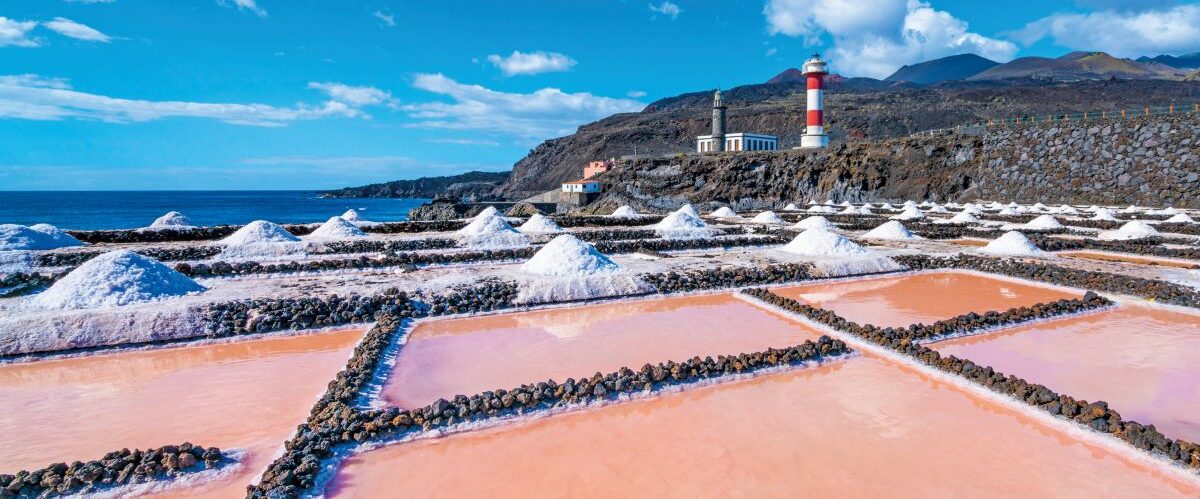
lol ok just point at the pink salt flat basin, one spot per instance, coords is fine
(1145, 362)
(1135, 259)
(247, 395)
(863, 427)
(466, 356)
(925, 297)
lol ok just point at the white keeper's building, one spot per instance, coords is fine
(738, 142)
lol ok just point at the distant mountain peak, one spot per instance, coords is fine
(787, 76)
(955, 67)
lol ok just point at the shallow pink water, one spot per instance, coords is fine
(1136, 259)
(1144, 362)
(862, 427)
(925, 297)
(247, 395)
(445, 358)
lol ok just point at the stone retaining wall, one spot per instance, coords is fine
(115, 469)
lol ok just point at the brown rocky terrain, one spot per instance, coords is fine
(860, 114)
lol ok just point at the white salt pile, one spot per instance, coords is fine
(260, 231)
(1008, 210)
(936, 208)
(867, 206)
(1135, 229)
(680, 225)
(829, 202)
(173, 220)
(1180, 218)
(1013, 205)
(689, 209)
(813, 202)
(909, 213)
(336, 228)
(35, 237)
(725, 212)
(821, 209)
(350, 215)
(850, 210)
(567, 256)
(865, 210)
(624, 212)
(791, 207)
(814, 222)
(1039, 207)
(1043, 222)
(1170, 210)
(767, 217)
(1065, 209)
(1012, 243)
(846, 204)
(1131, 209)
(887, 206)
(114, 279)
(1091, 209)
(488, 212)
(925, 204)
(892, 230)
(820, 242)
(540, 224)
(1104, 214)
(962, 217)
(490, 232)
(909, 204)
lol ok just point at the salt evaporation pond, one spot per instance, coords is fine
(924, 297)
(862, 427)
(444, 358)
(1135, 259)
(246, 395)
(1143, 361)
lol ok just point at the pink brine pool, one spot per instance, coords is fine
(925, 297)
(1144, 362)
(861, 427)
(444, 358)
(248, 395)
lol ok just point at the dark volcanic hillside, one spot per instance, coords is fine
(955, 67)
(1076, 66)
(474, 185)
(1187, 61)
(670, 125)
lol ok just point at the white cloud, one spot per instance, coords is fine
(1173, 30)
(545, 113)
(666, 9)
(520, 63)
(16, 33)
(874, 37)
(250, 5)
(386, 17)
(635, 94)
(72, 29)
(34, 97)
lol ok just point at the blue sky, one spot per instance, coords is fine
(313, 94)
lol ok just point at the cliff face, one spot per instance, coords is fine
(471, 185)
(854, 113)
(1151, 161)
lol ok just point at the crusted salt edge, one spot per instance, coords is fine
(185, 481)
(1132, 255)
(1072, 429)
(331, 466)
(1011, 325)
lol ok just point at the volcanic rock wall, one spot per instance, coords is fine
(1150, 161)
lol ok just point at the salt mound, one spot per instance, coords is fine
(490, 232)
(488, 212)
(910, 213)
(1135, 229)
(1039, 206)
(909, 204)
(1180, 218)
(829, 202)
(259, 231)
(1104, 214)
(865, 210)
(724, 212)
(867, 206)
(679, 225)
(336, 228)
(813, 202)
(1008, 210)
(36, 237)
(791, 207)
(172, 220)
(821, 209)
(814, 222)
(1013, 205)
(925, 204)
(846, 203)
(1043, 222)
(114, 279)
(850, 210)
(540, 224)
(962, 217)
(1170, 210)
(624, 212)
(936, 208)
(1131, 209)
(1091, 209)
(767, 217)
(1012, 243)
(892, 230)
(567, 256)
(689, 209)
(887, 206)
(820, 242)
(350, 215)
(1065, 209)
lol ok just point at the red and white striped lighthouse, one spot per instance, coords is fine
(814, 135)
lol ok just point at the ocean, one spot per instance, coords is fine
(96, 210)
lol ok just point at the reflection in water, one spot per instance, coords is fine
(925, 297)
(247, 395)
(1143, 361)
(858, 428)
(445, 358)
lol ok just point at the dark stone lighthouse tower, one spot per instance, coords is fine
(718, 122)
